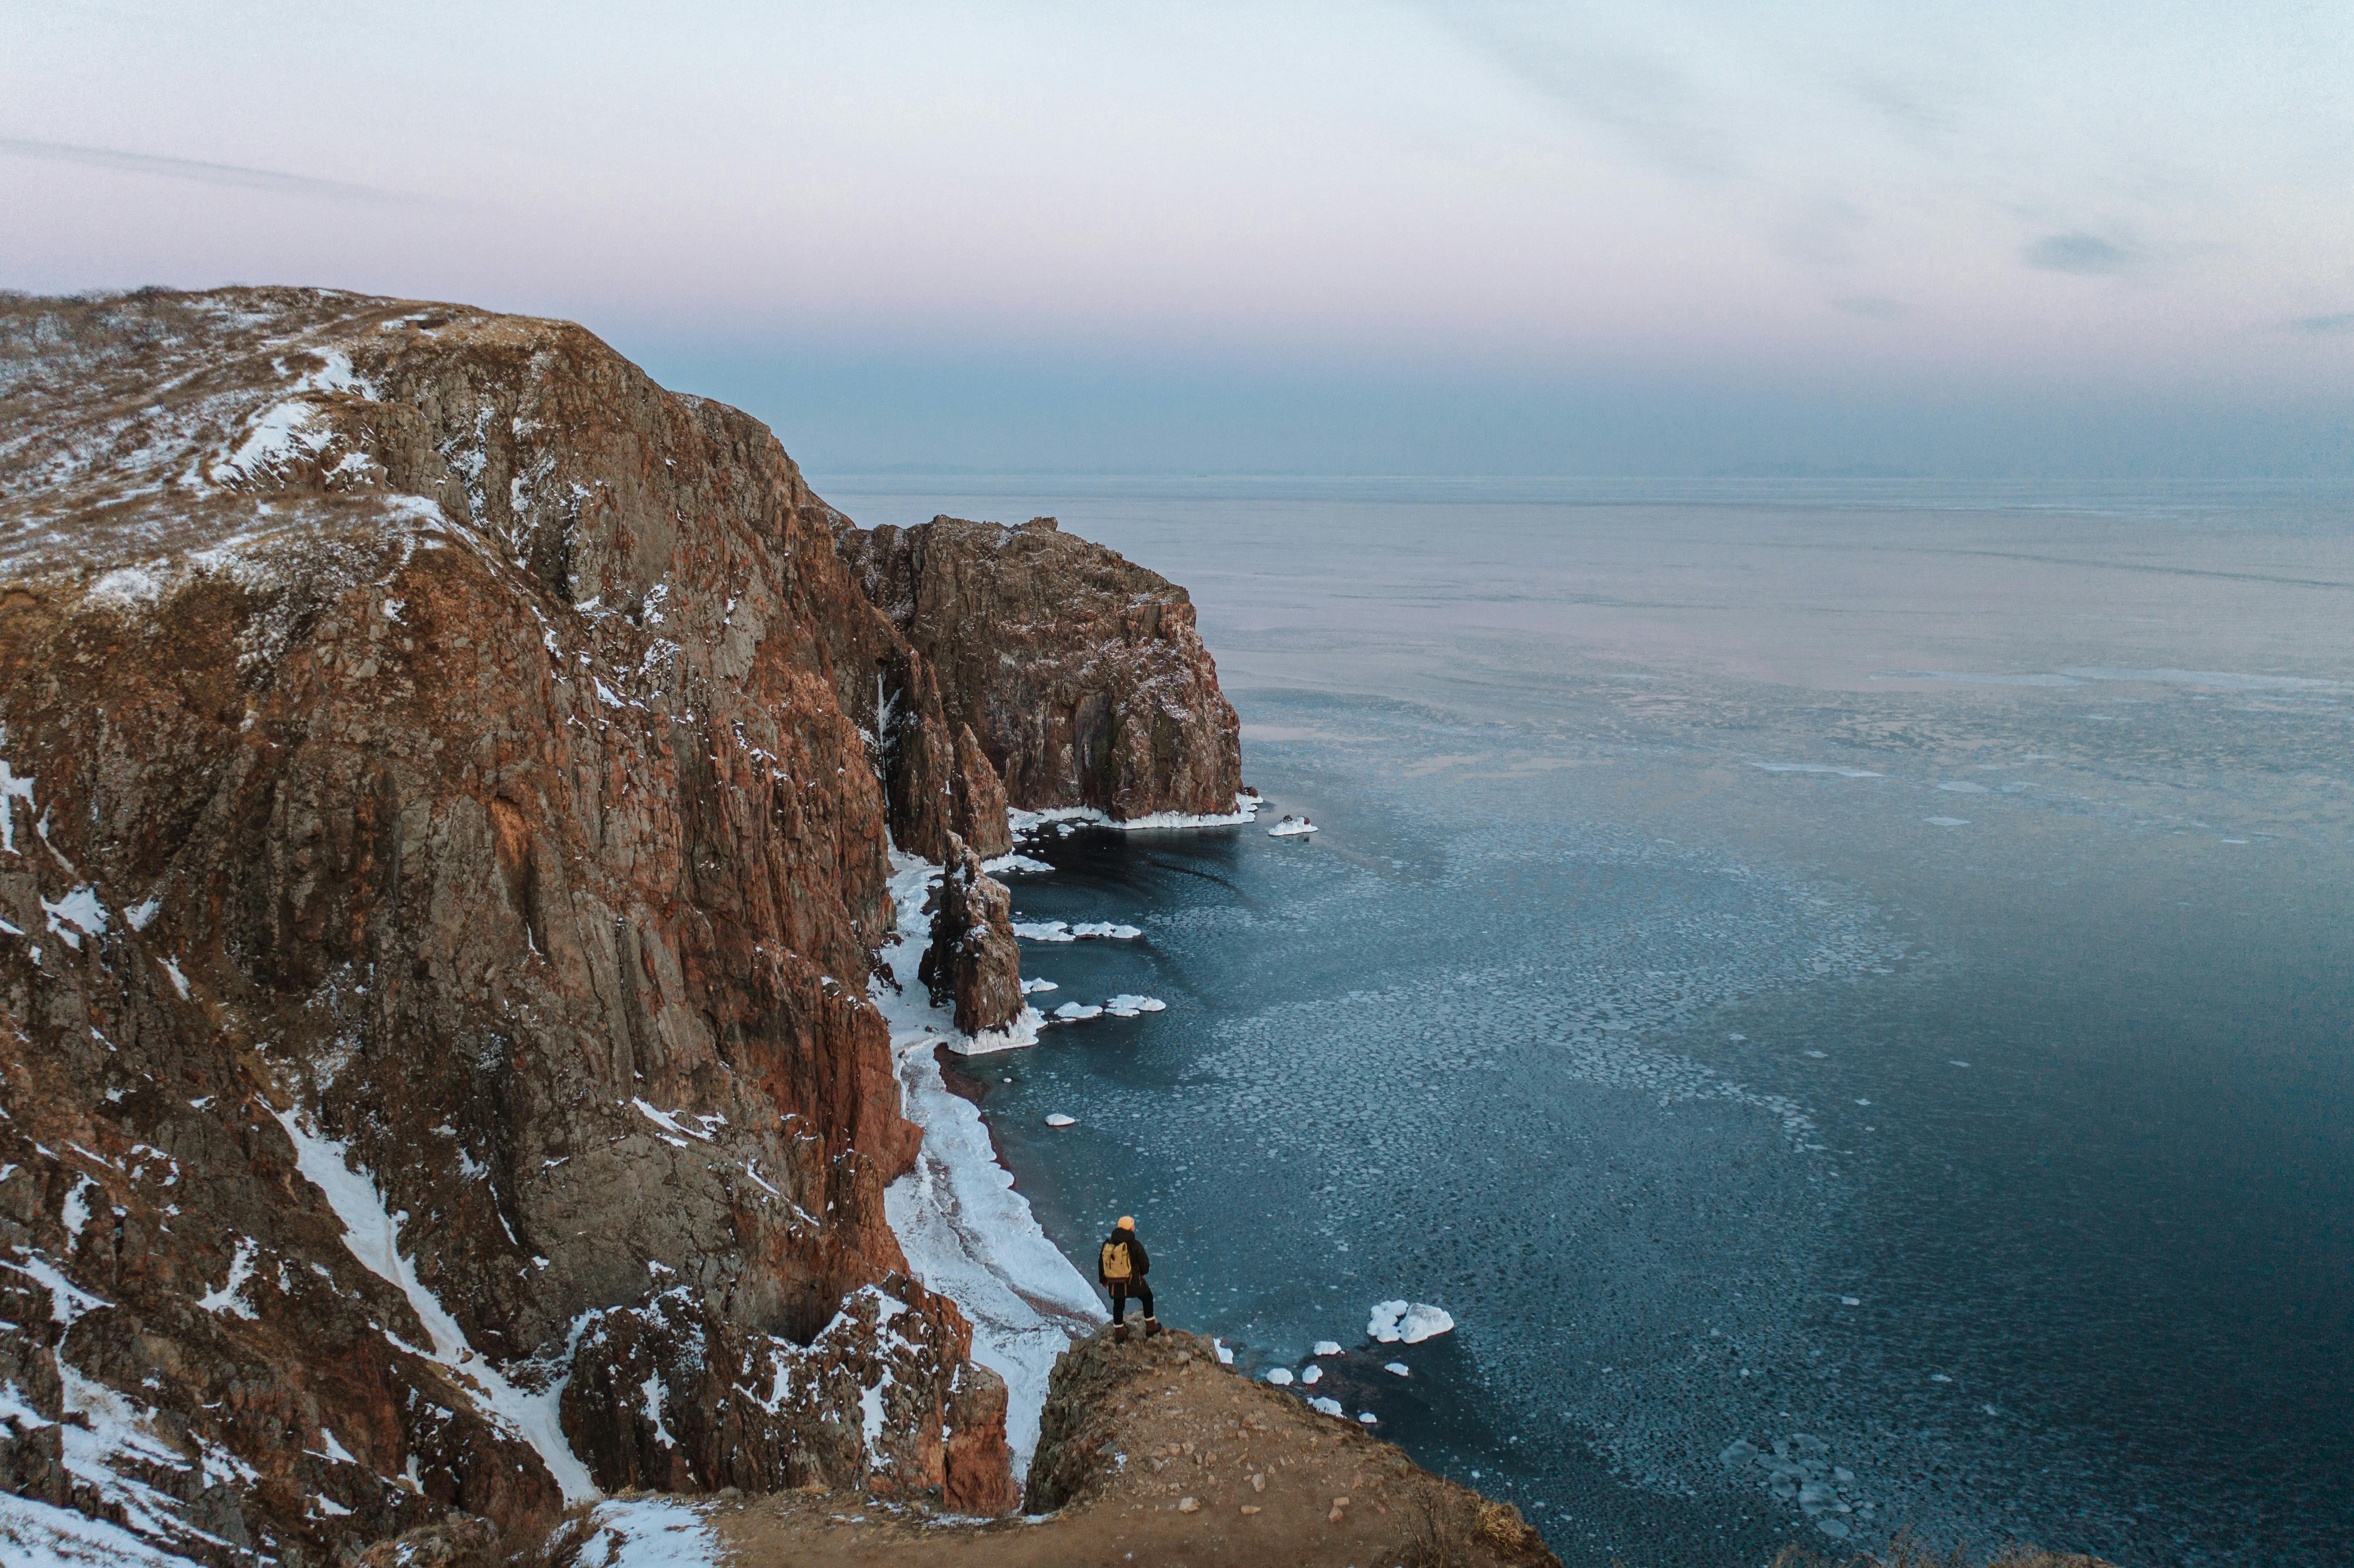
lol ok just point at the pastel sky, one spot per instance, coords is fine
(1987, 239)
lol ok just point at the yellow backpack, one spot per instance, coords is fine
(1115, 1260)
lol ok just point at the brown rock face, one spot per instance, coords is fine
(445, 784)
(673, 1397)
(974, 958)
(1080, 672)
(980, 1478)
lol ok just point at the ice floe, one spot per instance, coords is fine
(1279, 1376)
(1948, 822)
(1058, 1119)
(1818, 767)
(1325, 1406)
(1312, 1376)
(1065, 931)
(1128, 1004)
(1291, 827)
(1411, 1322)
(1397, 1368)
(1327, 1347)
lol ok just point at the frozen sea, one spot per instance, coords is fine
(1844, 990)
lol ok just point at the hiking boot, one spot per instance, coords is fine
(1151, 1326)
(1120, 1333)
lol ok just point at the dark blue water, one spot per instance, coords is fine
(1862, 971)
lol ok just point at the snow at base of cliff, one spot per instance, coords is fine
(967, 1233)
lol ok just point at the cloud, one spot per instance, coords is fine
(1871, 307)
(2323, 326)
(203, 173)
(2087, 253)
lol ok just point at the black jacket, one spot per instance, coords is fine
(1140, 1264)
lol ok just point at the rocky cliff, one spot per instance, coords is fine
(446, 784)
(1080, 672)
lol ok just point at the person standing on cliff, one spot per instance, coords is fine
(1121, 1268)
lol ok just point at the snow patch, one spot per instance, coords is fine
(240, 1269)
(649, 1532)
(81, 909)
(373, 1235)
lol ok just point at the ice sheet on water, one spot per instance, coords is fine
(1279, 1376)
(1325, 1406)
(1818, 767)
(1411, 1322)
(1291, 827)
(1327, 1347)
(1058, 1119)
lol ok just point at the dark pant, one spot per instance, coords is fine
(1139, 1289)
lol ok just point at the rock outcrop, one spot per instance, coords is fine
(1080, 672)
(974, 960)
(446, 784)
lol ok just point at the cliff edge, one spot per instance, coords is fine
(1080, 672)
(446, 791)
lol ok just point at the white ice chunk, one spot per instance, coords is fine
(1325, 1406)
(1327, 1347)
(1312, 1374)
(1291, 827)
(1279, 1376)
(1397, 1368)
(1412, 1323)
(1060, 1119)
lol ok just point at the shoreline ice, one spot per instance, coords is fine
(1027, 824)
(966, 1232)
